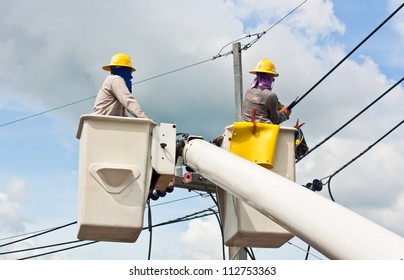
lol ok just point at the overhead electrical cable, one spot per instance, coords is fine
(38, 234)
(352, 119)
(257, 35)
(149, 226)
(44, 231)
(250, 253)
(219, 220)
(47, 111)
(355, 158)
(245, 47)
(307, 252)
(348, 55)
(40, 247)
(60, 250)
(196, 215)
(24, 234)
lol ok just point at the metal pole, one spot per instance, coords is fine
(236, 253)
(238, 79)
(335, 231)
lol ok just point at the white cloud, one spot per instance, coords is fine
(202, 239)
(12, 219)
(391, 216)
(317, 20)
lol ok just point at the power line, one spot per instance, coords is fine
(355, 158)
(257, 35)
(173, 71)
(352, 119)
(342, 60)
(307, 252)
(47, 111)
(196, 215)
(42, 233)
(149, 226)
(40, 247)
(219, 220)
(57, 251)
(24, 234)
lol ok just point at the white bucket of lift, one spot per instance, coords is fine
(243, 226)
(114, 177)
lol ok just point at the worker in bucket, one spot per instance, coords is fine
(115, 95)
(259, 98)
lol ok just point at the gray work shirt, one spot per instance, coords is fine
(114, 98)
(266, 104)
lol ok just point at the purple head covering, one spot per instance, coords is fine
(263, 81)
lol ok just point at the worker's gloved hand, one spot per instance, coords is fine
(280, 106)
(286, 111)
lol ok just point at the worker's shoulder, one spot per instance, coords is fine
(259, 91)
(114, 78)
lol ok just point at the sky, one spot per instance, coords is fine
(52, 52)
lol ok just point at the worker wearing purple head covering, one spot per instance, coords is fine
(259, 96)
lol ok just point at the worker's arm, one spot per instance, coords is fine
(276, 110)
(126, 98)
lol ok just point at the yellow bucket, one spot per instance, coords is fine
(256, 144)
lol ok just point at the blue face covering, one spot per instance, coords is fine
(125, 73)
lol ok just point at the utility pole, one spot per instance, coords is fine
(238, 79)
(236, 253)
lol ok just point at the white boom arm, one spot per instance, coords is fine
(330, 228)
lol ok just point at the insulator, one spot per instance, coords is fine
(317, 185)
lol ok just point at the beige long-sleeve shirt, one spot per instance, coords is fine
(114, 99)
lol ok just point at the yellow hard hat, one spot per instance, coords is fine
(119, 59)
(265, 66)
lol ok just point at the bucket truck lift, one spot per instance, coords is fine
(118, 155)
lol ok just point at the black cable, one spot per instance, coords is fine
(348, 55)
(307, 252)
(175, 70)
(40, 247)
(75, 222)
(290, 243)
(219, 220)
(257, 35)
(47, 111)
(288, 14)
(24, 234)
(329, 189)
(195, 215)
(35, 235)
(57, 251)
(352, 119)
(250, 252)
(149, 226)
(358, 156)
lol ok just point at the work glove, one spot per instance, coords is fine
(286, 111)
